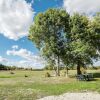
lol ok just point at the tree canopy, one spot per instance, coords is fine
(67, 39)
(47, 33)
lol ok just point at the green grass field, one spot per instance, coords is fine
(36, 85)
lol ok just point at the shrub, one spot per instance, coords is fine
(26, 75)
(47, 74)
(12, 73)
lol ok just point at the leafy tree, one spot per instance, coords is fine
(47, 33)
(71, 40)
(81, 42)
(94, 30)
(49, 66)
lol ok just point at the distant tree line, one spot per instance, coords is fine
(5, 67)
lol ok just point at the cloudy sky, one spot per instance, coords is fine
(15, 18)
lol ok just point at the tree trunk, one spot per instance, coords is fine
(66, 71)
(55, 71)
(58, 72)
(78, 69)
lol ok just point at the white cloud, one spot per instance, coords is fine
(28, 56)
(24, 64)
(97, 63)
(2, 60)
(21, 63)
(15, 18)
(15, 47)
(22, 53)
(32, 64)
(89, 7)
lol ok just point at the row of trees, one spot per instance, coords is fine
(5, 67)
(65, 39)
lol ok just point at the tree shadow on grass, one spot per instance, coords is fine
(94, 79)
(96, 75)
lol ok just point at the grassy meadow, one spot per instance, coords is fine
(35, 85)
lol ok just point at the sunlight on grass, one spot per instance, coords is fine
(18, 87)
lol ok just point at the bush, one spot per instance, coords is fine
(26, 75)
(12, 73)
(47, 74)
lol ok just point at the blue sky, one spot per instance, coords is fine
(7, 43)
(15, 18)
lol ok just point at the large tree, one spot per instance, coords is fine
(47, 33)
(94, 30)
(73, 40)
(83, 41)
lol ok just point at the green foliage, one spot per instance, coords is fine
(4, 67)
(94, 29)
(81, 41)
(48, 67)
(48, 33)
(72, 40)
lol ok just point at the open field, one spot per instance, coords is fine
(36, 85)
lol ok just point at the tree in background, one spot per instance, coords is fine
(47, 33)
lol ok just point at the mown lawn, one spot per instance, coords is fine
(18, 87)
